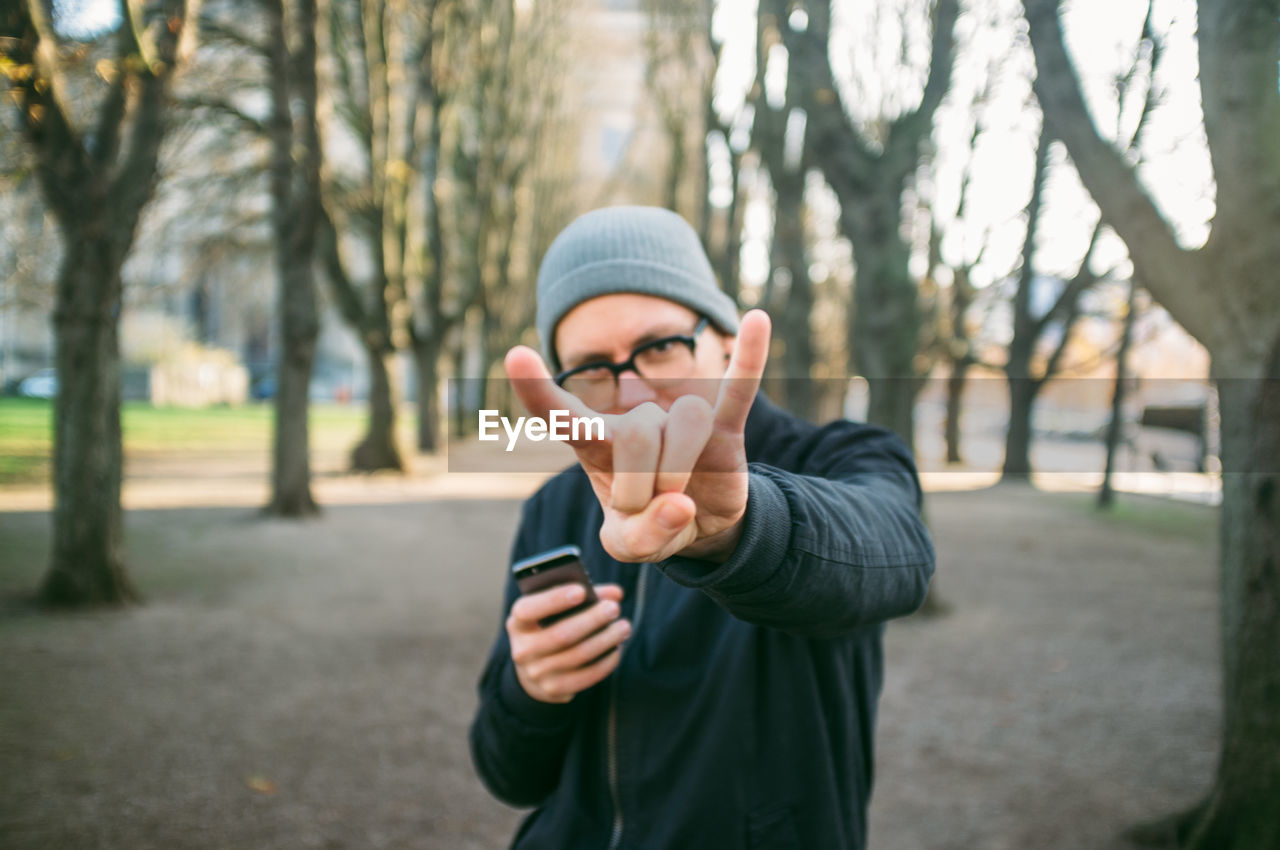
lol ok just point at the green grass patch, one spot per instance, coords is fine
(1153, 515)
(26, 431)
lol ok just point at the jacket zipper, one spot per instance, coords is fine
(611, 760)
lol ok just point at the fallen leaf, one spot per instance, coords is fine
(261, 784)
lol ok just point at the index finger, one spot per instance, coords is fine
(531, 381)
(530, 609)
(746, 367)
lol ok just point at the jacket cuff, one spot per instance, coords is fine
(761, 550)
(530, 711)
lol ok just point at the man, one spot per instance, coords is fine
(722, 691)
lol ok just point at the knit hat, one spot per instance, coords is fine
(646, 250)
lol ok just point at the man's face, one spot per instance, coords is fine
(609, 327)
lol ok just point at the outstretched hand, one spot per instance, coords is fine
(670, 481)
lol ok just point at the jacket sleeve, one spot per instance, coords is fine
(518, 743)
(830, 550)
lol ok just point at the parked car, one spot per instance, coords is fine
(43, 384)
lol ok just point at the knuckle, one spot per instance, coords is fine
(650, 412)
(692, 406)
(632, 539)
(606, 610)
(625, 428)
(561, 634)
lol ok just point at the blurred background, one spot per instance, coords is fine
(260, 263)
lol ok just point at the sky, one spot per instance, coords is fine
(86, 18)
(1101, 35)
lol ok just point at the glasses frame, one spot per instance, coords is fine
(689, 340)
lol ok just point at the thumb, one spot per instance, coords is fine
(663, 528)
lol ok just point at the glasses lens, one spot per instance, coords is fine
(666, 359)
(595, 387)
(659, 363)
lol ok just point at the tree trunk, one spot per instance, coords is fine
(960, 349)
(295, 189)
(1242, 811)
(729, 260)
(97, 193)
(794, 304)
(955, 402)
(1026, 331)
(1017, 442)
(885, 326)
(675, 166)
(1116, 426)
(291, 476)
(378, 449)
(87, 564)
(426, 359)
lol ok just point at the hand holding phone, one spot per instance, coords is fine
(565, 635)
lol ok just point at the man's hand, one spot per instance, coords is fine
(555, 663)
(670, 482)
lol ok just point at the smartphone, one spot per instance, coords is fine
(561, 565)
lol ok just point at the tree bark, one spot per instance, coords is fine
(794, 306)
(1242, 811)
(87, 566)
(884, 326)
(730, 258)
(1115, 427)
(1017, 441)
(955, 404)
(295, 188)
(1022, 390)
(426, 358)
(961, 356)
(379, 449)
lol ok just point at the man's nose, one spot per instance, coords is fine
(633, 390)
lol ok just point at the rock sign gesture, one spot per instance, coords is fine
(670, 481)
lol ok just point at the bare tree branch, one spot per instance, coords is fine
(1115, 187)
(61, 162)
(218, 106)
(910, 129)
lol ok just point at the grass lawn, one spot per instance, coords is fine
(26, 431)
(1158, 517)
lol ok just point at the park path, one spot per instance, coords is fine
(300, 685)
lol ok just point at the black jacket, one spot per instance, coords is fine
(742, 714)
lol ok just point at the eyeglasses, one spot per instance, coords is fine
(667, 359)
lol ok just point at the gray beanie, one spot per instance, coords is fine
(646, 250)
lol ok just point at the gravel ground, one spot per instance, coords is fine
(310, 685)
